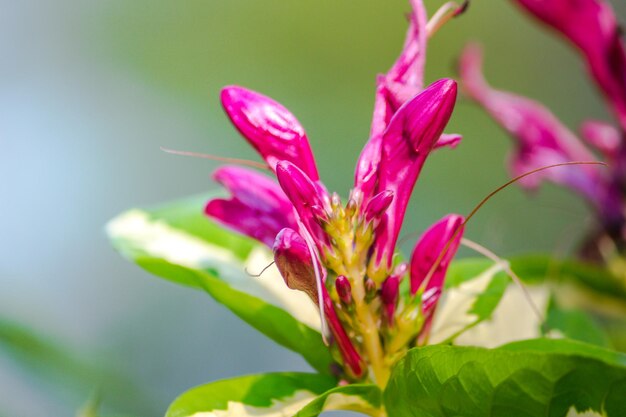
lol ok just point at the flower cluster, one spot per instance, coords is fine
(373, 305)
(591, 26)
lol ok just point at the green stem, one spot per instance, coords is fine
(369, 332)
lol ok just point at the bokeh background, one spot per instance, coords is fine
(89, 90)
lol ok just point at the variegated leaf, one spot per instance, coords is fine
(178, 243)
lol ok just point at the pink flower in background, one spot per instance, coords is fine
(541, 139)
(592, 27)
(342, 255)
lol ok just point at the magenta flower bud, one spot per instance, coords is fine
(592, 27)
(411, 135)
(445, 235)
(258, 207)
(377, 205)
(294, 262)
(389, 294)
(344, 289)
(270, 128)
(403, 81)
(540, 137)
(309, 200)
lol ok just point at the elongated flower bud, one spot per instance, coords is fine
(270, 128)
(309, 199)
(432, 256)
(411, 135)
(389, 294)
(377, 205)
(344, 290)
(294, 262)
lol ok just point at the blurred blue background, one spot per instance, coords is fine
(90, 89)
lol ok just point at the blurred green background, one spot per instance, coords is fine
(90, 89)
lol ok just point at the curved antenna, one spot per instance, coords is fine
(487, 198)
(228, 160)
(260, 273)
(506, 267)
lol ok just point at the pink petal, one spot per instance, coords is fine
(409, 67)
(410, 137)
(448, 140)
(270, 128)
(377, 206)
(445, 235)
(403, 81)
(602, 136)
(591, 25)
(309, 199)
(258, 207)
(540, 137)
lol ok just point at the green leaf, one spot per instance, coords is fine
(594, 278)
(587, 287)
(525, 379)
(501, 313)
(188, 215)
(178, 243)
(363, 398)
(274, 394)
(576, 325)
(472, 293)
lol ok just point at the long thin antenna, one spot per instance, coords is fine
(260, 273)
(236, 161)
(506, 266)
(487, 198)
(319, 280)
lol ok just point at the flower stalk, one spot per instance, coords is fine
(343, 256)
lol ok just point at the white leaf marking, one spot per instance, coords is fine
(279, 408)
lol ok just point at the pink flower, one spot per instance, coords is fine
(307, 227)
(592, 27)
(342, 255)
(542, 140)
(402, 82)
